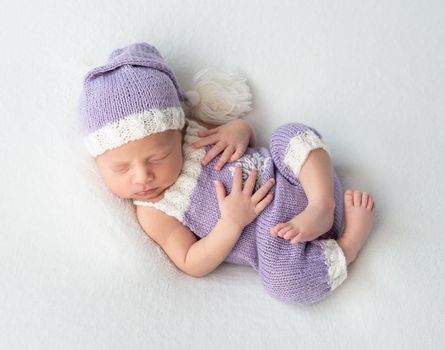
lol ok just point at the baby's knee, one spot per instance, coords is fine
(291, 144)
(302, 133)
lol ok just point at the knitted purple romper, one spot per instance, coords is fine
(302, 273)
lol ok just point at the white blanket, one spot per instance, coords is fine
(77, 271)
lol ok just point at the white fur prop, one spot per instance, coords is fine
(218, 97)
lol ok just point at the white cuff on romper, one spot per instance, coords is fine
(335, 261)
(299, 148)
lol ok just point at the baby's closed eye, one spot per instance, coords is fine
(159, 159)
(119, 170)
(123, 169)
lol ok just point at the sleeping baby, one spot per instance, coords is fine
(205, 193)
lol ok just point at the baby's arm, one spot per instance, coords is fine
(196, 258)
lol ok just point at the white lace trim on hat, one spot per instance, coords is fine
(177, 197)
(299, 148)
(335, 261)
(134, 127)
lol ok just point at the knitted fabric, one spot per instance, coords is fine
(302, 273)
(133, 95)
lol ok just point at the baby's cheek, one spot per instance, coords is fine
(176, 170)
(120, 186)
(177, 163)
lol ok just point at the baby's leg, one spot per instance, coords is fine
(359, 220)
(307, 157)
(310, 271)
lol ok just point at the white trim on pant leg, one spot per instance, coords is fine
(299, 148)
(335, 261)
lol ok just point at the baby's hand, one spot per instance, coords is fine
(232, 138)
(240, 207)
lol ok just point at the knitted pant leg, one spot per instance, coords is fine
(306, 272)
(302, 273)
(290, 145)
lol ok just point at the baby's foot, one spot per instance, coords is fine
(311, 223)
(359, 219)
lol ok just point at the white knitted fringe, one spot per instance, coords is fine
(134, 127)
(335, 261)
(218, 96)
(177, 197)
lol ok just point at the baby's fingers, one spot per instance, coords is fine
(225, 157)
(240, 150)
(207, 132)
(237, 181)
(220, 191)
(250, 182)
(263, 190)
(264, 203)
(209, 140)
(214, 151)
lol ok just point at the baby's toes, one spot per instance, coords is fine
(365, 197)
(370, 203)
(274, 230)
(297, 239)
(283, 231)
(290, 234)
(357, 198)
(348, 198)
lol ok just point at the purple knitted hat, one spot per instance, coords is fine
(132, 96)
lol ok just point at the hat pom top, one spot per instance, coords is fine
(218, 96)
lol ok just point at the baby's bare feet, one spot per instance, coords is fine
(311, 223)
(359, 220)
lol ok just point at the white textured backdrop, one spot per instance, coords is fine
(77, 272)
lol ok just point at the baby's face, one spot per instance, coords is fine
(152, 162)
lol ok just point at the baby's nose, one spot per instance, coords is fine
(141, 175)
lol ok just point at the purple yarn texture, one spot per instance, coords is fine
(290, 273)
(136, 94)
(135, 79)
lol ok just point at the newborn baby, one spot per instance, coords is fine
(205, 194)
